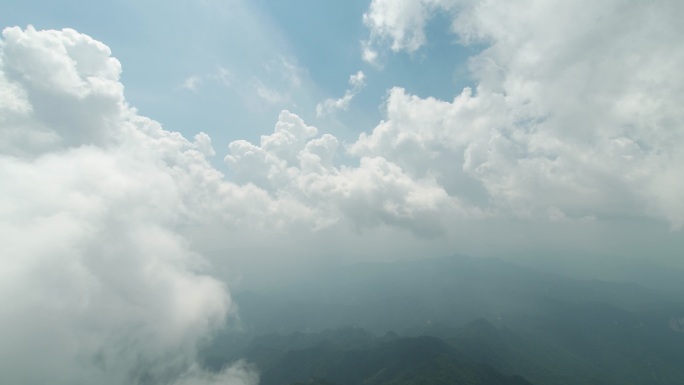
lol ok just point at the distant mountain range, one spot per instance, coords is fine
(480, 320)
(353, 356)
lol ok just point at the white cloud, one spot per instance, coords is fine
(224, 76)
(221, 76)
(402, 21)
(285, 69)
(357, 81)
(292, 164)
(270, 95)
(576, 107)
(192, 83)
(96, 283)
(368, 54)
(78, 98)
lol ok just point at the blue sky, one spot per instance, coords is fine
(566, 121)
(161, 46)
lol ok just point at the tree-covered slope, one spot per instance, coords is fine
(389, 360)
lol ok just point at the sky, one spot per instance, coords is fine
(228, 68)
(154, 157)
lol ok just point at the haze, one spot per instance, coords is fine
(155, 158)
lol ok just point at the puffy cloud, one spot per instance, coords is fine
(71, 98)
(368, 54)
(575, 112)
(357, 81)
(567, 127)
(296, 167)
(401, 21)
(96, 283)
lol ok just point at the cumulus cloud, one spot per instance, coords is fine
(296, 166)
(575, 110)
(79, 100)
(401, 22)
(97, 285)
(566, 128)
(357, 81)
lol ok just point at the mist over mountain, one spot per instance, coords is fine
(547, 328)
(410, 294)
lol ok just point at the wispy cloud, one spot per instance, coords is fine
(221, 76)
(270, 95)
(285, 69)
(192, 83)
(357, 81)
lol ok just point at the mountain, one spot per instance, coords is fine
(405, 296)
(514, 320)
(331, 358)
